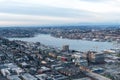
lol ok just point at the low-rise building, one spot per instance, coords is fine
(28, 76)
(13, 77)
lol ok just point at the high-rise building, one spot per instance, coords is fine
(94, 57)
(65, 48)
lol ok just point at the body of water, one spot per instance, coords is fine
(80, 45)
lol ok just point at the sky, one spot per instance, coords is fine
(57, 12)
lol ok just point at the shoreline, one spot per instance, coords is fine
(75, 44)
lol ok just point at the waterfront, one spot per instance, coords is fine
(80, 45)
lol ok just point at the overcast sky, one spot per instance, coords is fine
(43, 12)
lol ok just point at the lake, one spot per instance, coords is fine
(80, 45)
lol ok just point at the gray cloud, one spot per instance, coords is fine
(84, 11)
(96, 0)
(43, 10)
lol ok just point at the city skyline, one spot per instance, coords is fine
(39, 12)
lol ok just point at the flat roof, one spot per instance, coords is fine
(28, 76)
(13, 77)
(85, 78)
(97, 76)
